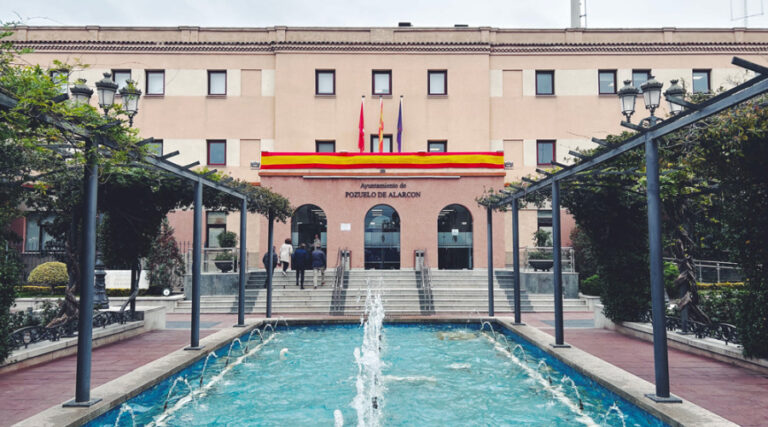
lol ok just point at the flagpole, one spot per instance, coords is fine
(381, 124)
(361, 127)
(400, 127)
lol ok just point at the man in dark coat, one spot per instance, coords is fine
(318, 266)
(265, 261)
(300, 262)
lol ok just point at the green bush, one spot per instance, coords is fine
(49, 274)
(721, 304)
(543, 238)
(670, 274)
(227, 239)
(592, 285)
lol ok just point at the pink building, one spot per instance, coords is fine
(481, 107)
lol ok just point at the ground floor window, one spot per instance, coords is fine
(309, 225)
(382, 238)
(454, 238)
(215, 224)
(36, 237)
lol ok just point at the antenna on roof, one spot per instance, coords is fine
(740, 10)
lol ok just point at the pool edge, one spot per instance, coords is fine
(625, 384)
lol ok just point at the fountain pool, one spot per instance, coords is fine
(430, 374)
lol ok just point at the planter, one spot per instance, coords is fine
(224, 266)
(541, 264)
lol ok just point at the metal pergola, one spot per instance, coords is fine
(647, 137)
(88, 251)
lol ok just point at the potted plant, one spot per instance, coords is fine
(225, 261)
(540, 259)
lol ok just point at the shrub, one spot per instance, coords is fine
(670, 274)
(543, 238)
(721, 305)
(227, 239)
(592, 285)
(10, 276)
(165, 263)
(50, 274)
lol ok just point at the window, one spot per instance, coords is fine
(382, 82)
(544, 222)
(639, 77)
(215, 224)
(120, 77)
(155, 82)
(437, 146)
(325, 146)
(156, 147)
(217, 82)
(545, 152)
(387, 146)
(701, 81)
(545, 82)
(606, 80)
(438, 82)
(217, 152)
(61, 78)
(325, 82)
(36, 237)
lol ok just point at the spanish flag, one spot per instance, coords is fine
(381, 124)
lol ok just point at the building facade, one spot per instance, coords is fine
(463, 110)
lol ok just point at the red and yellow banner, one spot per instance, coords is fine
(484, 160)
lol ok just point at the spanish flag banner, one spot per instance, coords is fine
(482, 160)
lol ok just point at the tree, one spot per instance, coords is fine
(164, 262)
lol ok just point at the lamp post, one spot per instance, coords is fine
(81, 95)
(674, 92)
(652, 97)
(106, 89)
(130, 95)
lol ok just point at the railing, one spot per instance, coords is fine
(341, 264)
(719, 331)
(567, 258)
(708, 271)
(25, 336)
(421, 264)
(209, 263)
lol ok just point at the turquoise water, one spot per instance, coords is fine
(433, 375)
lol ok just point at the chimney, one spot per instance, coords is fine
(575, 13)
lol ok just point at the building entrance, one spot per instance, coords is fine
(308, 223)
(454, 238)
(382, 238)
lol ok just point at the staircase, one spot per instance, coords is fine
(452, 291)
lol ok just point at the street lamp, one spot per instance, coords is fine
(627, 97)
(81, 93)
(106, 89)
(673, 94)
(130, 95)
(651, 94)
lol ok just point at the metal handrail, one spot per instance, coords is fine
(717, 266)
(338, 281)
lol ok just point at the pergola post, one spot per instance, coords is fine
(194, 343)
(243, 265)
(489, 221)
(270, 243)
(516, 260)
(557, 265)
(88, 258)
(661, 362)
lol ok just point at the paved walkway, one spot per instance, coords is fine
(737, 394)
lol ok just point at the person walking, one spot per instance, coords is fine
(265, 261)
(316, 243)
(286, 251)
(300, 262)
(318, 266)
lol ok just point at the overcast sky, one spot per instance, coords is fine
(384, 13)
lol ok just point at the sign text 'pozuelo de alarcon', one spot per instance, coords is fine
(396, 191)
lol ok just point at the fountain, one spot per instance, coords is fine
(505, 340)
(525, 355)
(338, 418)
(270, 327)
(230, 348)
(248, 341)
(368, 357)
(123, 409)
(615, 408)
(567, 379)
(538, 368)
(173, 386)
(482, 325)
(202, 373)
